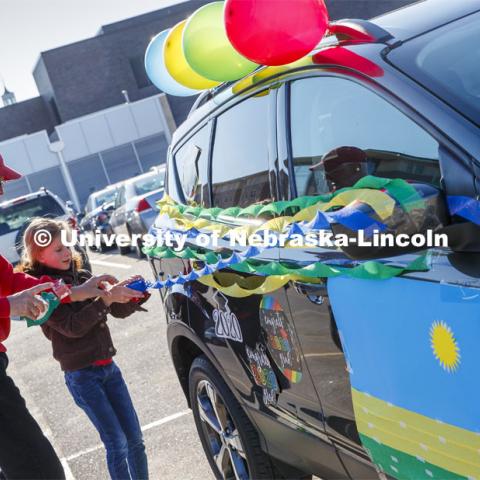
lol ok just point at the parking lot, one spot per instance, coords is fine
(173, 448)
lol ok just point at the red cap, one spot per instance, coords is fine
(7, 173)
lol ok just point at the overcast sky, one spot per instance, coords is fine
(28, 27)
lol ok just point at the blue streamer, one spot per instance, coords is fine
(465, 207)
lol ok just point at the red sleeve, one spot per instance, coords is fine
(13, 282)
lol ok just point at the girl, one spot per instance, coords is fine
(82, 344)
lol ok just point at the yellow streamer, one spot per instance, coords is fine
(236, 286)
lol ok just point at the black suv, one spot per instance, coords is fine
(266, 376)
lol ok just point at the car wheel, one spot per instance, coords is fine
(229, 439)
(123, 250)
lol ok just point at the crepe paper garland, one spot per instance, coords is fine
(398, 189)
(207, 48)
(243, 263)
(240, 262)
(177, 64)
(275, 33)
(238, 287)
(157, 71)
(51, 302)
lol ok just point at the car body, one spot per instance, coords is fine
(16, 213)
(135, 207)
(261, 139)
(98, 209)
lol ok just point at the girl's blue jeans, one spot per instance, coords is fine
(103, 395)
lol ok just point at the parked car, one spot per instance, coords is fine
(96, 217)
(15, 215)
(403, 90)
(135, 206)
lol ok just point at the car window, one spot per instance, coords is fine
(104, 197)
(446, 60)
(240, 171)
(120, 199)
(342, 131)
(191, 161)
(13, 217)
(147, 184)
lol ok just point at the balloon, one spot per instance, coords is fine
(157, 71)
(208, 49)
(177, 64)
(272, 32)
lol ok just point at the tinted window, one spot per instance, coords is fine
(341, 131)
(13, 217)
(446, 60)
(120, 198)
(191, 161)
(104, 197)
(149, 183)
(240, 173)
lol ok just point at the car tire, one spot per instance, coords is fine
(123, 250)
(239, 444)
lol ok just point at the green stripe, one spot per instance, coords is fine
(403, 466)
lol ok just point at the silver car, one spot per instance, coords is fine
(16, 214)
(135, 206)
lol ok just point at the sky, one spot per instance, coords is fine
(28, 27)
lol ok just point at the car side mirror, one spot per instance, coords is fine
(418, 219)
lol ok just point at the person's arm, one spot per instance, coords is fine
(76, 324)
(92, 288)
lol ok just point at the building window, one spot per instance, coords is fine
(88, 176)
(121, 163)
(52, 179)
(152, 151)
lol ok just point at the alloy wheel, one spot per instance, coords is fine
(222, 435)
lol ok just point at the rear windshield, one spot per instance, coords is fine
(148, 184)
(13, 217)
(447, 62)
(105, 197)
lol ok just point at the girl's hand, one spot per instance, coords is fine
(92, 288)
(121, 294)
(131, 279)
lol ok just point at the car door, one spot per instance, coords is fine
(347, 327)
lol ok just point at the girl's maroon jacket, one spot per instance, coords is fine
(12, 282)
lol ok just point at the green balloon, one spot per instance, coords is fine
(208, 49)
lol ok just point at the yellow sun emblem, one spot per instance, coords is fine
(444, 346)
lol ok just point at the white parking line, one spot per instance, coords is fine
(149, 426)
(110, 264)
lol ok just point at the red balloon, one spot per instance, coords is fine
(275, 32)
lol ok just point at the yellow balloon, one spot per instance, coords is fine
(177, 64)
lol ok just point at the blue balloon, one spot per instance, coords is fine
(157, 71)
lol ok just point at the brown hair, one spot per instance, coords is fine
(31, 249)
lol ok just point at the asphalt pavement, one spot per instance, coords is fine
(173, 448)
